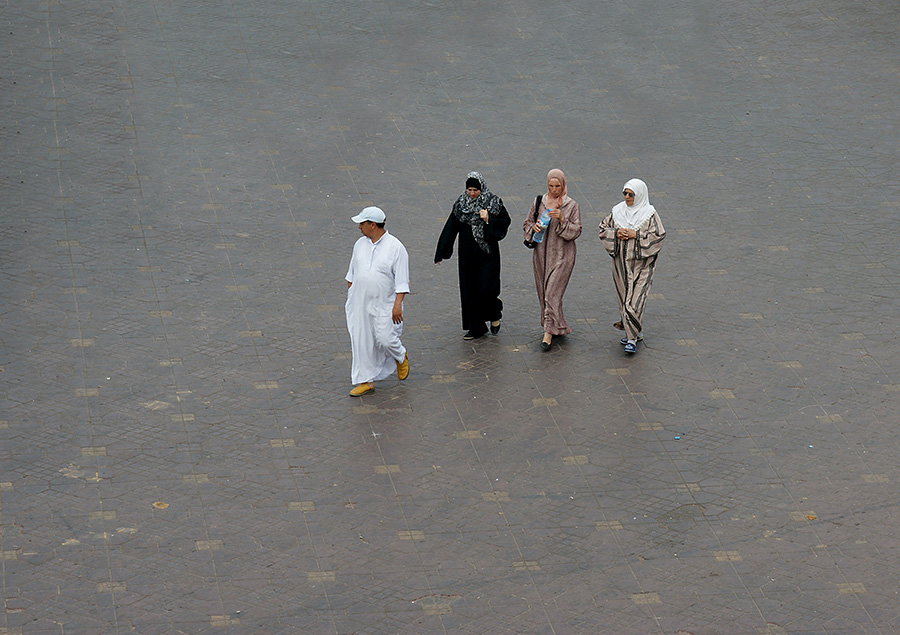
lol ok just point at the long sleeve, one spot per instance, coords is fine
(650, 237)
(570, 227)
(350, 270)
(608, 234)
(495, 230)
(401, 269)
(448, 237)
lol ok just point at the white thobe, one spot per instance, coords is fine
(378, 272)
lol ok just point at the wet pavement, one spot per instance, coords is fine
(179, 452)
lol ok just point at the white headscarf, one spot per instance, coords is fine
(632, 216)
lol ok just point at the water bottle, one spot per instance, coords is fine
(543, 223)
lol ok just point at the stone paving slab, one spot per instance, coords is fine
(179, 453)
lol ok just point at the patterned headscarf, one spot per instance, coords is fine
(466, 210)
(633, 216)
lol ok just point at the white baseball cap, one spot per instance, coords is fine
(373, 214)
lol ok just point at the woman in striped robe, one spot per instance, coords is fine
(632, 234)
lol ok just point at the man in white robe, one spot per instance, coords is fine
(377, 280)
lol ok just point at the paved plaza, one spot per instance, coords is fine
(179, 450)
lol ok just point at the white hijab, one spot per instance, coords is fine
(633, 216)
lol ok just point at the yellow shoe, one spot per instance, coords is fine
(403, 367)
(362, 389)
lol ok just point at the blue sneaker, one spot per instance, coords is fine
(624, 340)
(631, 347)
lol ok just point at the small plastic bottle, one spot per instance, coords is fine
(544, 223)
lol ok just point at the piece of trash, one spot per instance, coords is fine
(160, 505)
(677, 438)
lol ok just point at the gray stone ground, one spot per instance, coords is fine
(179, 452)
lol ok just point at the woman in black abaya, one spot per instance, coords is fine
(481, 221)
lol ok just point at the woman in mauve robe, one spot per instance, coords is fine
(554, 257)
(481, 221)
(632, 234)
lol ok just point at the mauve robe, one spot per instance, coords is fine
(633, 263)
(553, 260)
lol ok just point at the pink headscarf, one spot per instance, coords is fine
(549, 201)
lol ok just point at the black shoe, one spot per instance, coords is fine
(495, 329)
(472, 336)
(545, 346)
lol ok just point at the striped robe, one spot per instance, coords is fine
(633, 263)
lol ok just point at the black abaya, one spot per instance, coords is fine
(479, 272)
